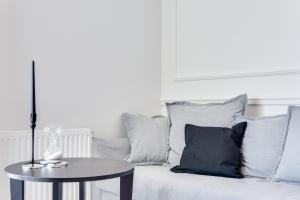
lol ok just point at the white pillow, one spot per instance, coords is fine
(148, 138)
(214, 114)
(262, 144)
(289, 166)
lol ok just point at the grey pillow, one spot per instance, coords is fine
(115, 148)
(262, 144)
(214, 114)
(289, 166)
(148, 138)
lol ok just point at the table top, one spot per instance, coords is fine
(78, 170)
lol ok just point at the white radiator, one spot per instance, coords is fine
(15, 146)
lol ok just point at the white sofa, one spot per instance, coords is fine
(158, 183)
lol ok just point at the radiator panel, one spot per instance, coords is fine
(15, 146)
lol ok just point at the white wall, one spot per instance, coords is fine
(95, 60)
(213, 50)
(9, 85)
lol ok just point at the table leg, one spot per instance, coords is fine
(16, 189)
(126, 185)
(81, 190)
(57, 190)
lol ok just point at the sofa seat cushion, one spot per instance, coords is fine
(159, 183)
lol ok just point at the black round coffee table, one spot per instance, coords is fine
(78, 170)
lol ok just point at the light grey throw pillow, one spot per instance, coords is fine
(214, 114)
(289, 166)
(114, 148)
(148, 138)
(262, 144)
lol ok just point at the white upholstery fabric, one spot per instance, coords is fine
(288, 168)
(214, 114)
(262, 144)
(148, 138)
(158, 183)
(117, 148)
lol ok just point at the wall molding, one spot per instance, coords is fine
(251, 101)
(179, 78)
(175, 6)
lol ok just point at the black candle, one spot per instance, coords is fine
(33, 113)
(33, 90)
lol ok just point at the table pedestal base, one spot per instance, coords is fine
(81, 191)
(57, 190)
(17, 189)
(126, 183)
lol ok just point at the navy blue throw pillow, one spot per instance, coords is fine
(212, 151)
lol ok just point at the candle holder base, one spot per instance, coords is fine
(32, 166)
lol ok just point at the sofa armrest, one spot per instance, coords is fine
(117, 148)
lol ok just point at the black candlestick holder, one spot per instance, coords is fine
(33, 164)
